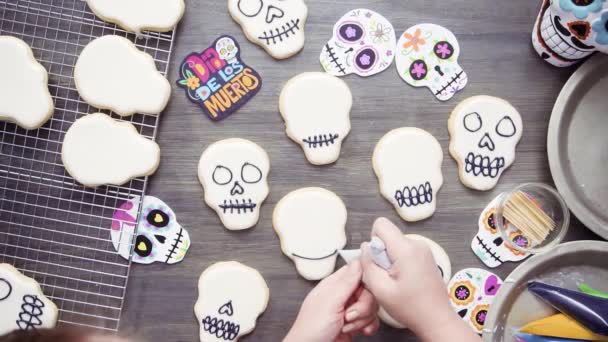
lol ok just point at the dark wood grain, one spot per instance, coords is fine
(499, 59)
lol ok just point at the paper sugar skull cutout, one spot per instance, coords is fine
(275, 25)
(310, 223)
(427, 56)
(489, 245)
(231, 296)
(567, 31)
(233, 174)
(363, 42)
(22, 304)
(484, 132)
(227, 49)
(407, 162)
(159, 237)
(472, 292)
(316, 109)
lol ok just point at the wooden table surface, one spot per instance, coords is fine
(499, 60)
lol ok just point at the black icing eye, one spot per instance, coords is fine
(443, 50)
(250, 173)
(351, 32)
(143, 246)
(365, 59)
(418, 70)
(505, 127)
(250, 8)
(582, 3)
(5, 289)
(440, 270)
(472, 122)
(222, 175)
(157, 218)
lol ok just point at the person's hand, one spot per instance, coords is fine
(337, 309)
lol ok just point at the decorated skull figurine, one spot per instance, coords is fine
(275, 25)
(427, 56)
(484, 131)
(159, 237)
(227, 49)
(233, 174)
(363, 42)
(567, 31)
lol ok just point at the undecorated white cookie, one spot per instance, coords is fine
(316, 109)
(111, 73)
(484, 131)
(22, 303)
(24, 93)
(408, 162)
(234, 174)
(231, 296)
(275, 25)
(100, 150)
(138, 15)
(310, 223)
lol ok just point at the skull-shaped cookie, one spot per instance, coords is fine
(472, 292)
(567, 31)
(227, 49)
(484, 132)
(489, 245)
(234, 174)
(275, 25)
(363, 42)
(159, 237)
(408, 162)
(310, 223)
(231, 296)
(316, 109)
(427, 56)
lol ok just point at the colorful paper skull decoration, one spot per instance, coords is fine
(233, 174)
(363, 42)
(227, 49)
(427, 56)
(275, 25)
(159, 237)
(472, 292)
(567, 31)
(489, 245)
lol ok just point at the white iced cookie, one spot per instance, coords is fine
(22, 303)
(316, 109)
(484, 131)
(100, 150)
(231, 296)
(139, 15)
(24, 93)
(275, 25)
(310, 223)
(443, 264)
(111, 73)
(408, 162)
(234, 174)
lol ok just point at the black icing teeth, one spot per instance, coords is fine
(176, 243)
(488, 250)
(334, 59)
(278, 34)
(453, 80)
(415, 195)
(484, 166)
(225, 330)
(315, 141)
(31, 310)
(238, 206)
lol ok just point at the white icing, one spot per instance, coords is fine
(100, 150)
(22, 303)
(111, 73)
(484, 131)
(234, 174)
(310, 223)
(24, 92)
(232, 295)
(363, 42)
(427, 56)
(275, 25)
(408, 162)
(138, 15)
(316, 109)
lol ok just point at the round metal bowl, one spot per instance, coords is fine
(567, 265)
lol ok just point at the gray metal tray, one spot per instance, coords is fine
(567, 265)
(577, 144)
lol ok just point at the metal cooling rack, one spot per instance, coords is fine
(51, 228)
